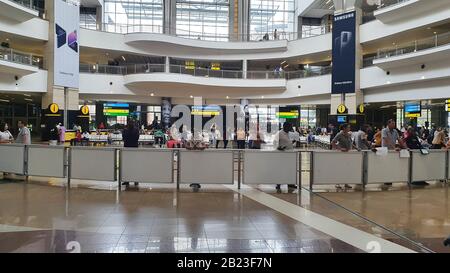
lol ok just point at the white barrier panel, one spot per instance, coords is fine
(46, 161)
(12, 158)
(330, 168)
(206, 167)
(93, 163)
(390, 168)
(428, 167)
(147, 165)
(270, 167)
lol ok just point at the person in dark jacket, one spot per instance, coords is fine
(413, 143)
(130, 137)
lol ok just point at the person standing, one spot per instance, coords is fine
(24, 136)
(240, 137)
(343, 142)
(390, 136)
(361, 139)
(439, 139)
(284, 143)
(130, 137)
(5, 134)
(275, 34)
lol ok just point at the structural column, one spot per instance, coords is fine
(170, 17)
(353, 99)
(55, 94)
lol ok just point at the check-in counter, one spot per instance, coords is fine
(270, 167)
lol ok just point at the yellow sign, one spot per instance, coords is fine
(85, 110)
(342, 109)
(447, 105)
(189, 65)
(54, 108)
(413, 115)
(361, 108)
(215, 66)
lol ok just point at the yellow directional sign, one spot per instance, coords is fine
(342, 109)
(361, 108)
(85, 110)
(54, 108)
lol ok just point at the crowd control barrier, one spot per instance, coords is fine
(91, 163)
(390, 168)
(47, 161)
(334, 167)
(216, 166)
(12, 159)
(270, 167)
(206, 167)
(146, 165)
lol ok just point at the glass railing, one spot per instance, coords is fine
(11, 55)
(380, 4)
(389, 3)
(202, 72)
(252, 37)
(31, 5)
(414, 46)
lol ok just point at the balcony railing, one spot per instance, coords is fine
(414, 46)
(11, 55)
(203, 72)
(369, 16)
(252, 37)
(31, 5)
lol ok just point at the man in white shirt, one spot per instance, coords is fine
(24, 136)
(283, 143)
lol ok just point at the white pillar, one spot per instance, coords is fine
(244, 69)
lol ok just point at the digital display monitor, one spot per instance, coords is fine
(116, 109)
(413, 110)
(288, 115)
(206, 110)
(342, 119)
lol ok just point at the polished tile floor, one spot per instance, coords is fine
(43, 216)
(37, 217)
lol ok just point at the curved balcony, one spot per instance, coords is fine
(18, 63)
(180, 81)
(416, 52)
(151, 39)
(203, 72)
(18, 10)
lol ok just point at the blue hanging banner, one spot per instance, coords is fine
(344, 53)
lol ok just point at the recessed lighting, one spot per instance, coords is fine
(262, 97)
(423, 78)
(152, 94)
(228, 97)
(191, 96)
(7, 39)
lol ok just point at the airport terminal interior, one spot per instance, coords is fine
(224, 126)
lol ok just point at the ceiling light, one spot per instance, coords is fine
(26, 95)
(191, 96)
(28, 99)
(123, 58)
(283, 62)
(262, 97)
(228, 97)
(152, 94)
(4, 100)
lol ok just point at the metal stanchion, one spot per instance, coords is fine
(311, 171)
(118, 169)
(178, 169)
(239, 170)
(68, 157)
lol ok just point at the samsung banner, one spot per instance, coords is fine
(66, 29)
(344, 53)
